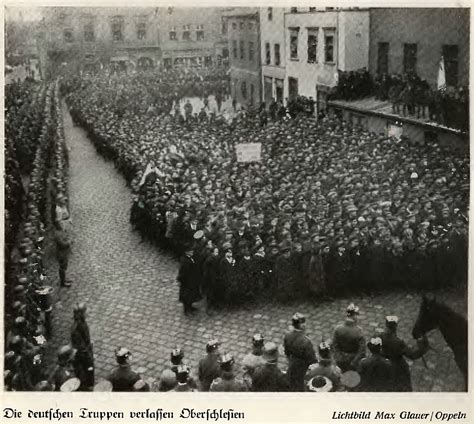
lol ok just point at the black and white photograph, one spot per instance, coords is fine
(236, 199)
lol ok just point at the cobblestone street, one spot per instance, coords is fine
(132, 295)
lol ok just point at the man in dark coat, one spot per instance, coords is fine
(64, 369)
(227, 381)
(81, 341)
(268, 377)
(396, 350)
(63, 240)
(300, 353)
(188, 284)
(122, 377)
(376, 372)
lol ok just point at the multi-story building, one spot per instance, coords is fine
(243, 26)
(273, 53)
(193, 36)
(319, 43)
(414, 40)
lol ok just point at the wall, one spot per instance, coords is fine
(354, 31)
(430, 29)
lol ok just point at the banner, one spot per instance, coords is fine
(248, 152)
(395, 131)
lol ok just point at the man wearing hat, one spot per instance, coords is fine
(376, 372)
(325, 367)
(81, 341)
(168, 376)
(299, 351)
(268, 377)
(64, 369)
(209, 367)
(182, 377)
(395, 349)
(188, 283)
(122, 377)
(348, 341)
(226, 277)
(227, 382)
(254, 359)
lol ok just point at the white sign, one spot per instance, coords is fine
(395, 131)
(248, 152)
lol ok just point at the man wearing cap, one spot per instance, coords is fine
(348, 341)
(64, 369)
(122, 377)
(325, 367)
(81, 341)
(188, 284)
(268, 377)
(182, 377)
(395, 349)
(299, 351)
(209, 368)
(253, 359)
(376, 372)
(226, 276)
(168, 376)
(227, 382)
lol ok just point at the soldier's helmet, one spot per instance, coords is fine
(258, 340)
(212, 345)
(352, 310)
(183, 373)
(66, 354)
(122, 355)
(391, 321)
(324, 349)
(79, 309)
(375, 344)
(227, 362)
(298, 319)
(177, 355)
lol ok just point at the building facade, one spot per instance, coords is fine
(193, 37)
(243, 26)
(319, 43)
(273, 53)
(413, 40)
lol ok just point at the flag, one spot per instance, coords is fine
(441, 75)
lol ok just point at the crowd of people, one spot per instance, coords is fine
(409, 95)
(329, 208)
(348, 362)
(28, 295)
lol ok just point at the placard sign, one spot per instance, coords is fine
(395, 131)
(249, 152)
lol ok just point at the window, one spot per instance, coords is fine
(382, 58)
(270, 13)
(250, 25)
(242, 53)
(186, 33)
(312, 45)
(251, 50)
(234, 25)
(268, 55)
(312, 9)
(117, 30)
(241, 26)
(141, 30)
(329, 35)
(252, 92)
(450, 56)
(292, 88)
(68, 35)
(224, 28)
(170, 10)
(409, 58)
(200, 33)
(276, 49)
(173, 35)
(234, 48)
(243, 89)
(294, 43)
(294, 10)
(89, 32)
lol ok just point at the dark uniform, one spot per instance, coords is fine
(122, 377)
(182, 376)
(64, 370)
(268, 377)
(209, 367)
(188, 284)
(376, 372)
(227, 382)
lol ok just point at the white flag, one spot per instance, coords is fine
(441, 75)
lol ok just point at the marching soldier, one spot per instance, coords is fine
(326, 367)
(168, 379)
(254, 359)
(268, 377)
(227, 382)
(300, 352)
(348, 341)
(209, 368)
(64, 370)
(395, 349)
(122, 377)
(182, 377)
(376, 372)
(81, 341)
